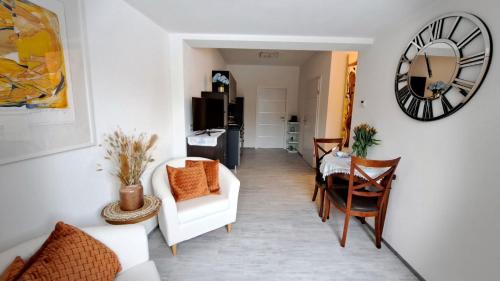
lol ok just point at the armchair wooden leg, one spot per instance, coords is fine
(229, 227)
(173, 248)
(346, 226)
(315, 192)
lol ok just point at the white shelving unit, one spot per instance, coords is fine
(293, 137)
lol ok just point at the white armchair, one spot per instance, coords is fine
(129, 242)
(180, 221)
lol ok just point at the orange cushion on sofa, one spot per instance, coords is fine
(188, 183)
(211, 171)
(71, 254)
(13, 270)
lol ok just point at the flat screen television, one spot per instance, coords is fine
(207, 113)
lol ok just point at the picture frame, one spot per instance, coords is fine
(27, 133)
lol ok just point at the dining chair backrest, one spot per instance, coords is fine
(320, 150)
(378, 186)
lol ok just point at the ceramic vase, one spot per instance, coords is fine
(221, 89)
(131, 197)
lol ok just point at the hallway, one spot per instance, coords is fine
(278, 234)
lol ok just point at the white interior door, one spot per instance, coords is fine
(309, 119)
(271, 114)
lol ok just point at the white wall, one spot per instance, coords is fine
(331, 67)
(198, 66)
(338, 73)
(442, 215)
(319, 65)
(333, 124)
(251, 77)
(129, 84)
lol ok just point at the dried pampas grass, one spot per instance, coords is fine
(130, 154)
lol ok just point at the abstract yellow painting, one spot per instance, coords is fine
(350, 87)
(32, 68)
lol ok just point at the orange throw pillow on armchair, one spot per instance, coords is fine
(211, 171)
(70, 254)
(188, 183)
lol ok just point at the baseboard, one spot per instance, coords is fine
(419, 277)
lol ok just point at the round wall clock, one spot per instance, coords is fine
(443, 66)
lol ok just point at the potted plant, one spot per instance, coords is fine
(437, 88)
(364, 137)
(222, 80)
(130, 155)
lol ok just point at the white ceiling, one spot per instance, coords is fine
(352, 18)
(251, 57)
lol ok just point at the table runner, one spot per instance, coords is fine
(331, 164)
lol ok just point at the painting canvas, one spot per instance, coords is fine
(348, 102)
(44, 109)
(32, 68)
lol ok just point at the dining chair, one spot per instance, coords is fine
(365, 196)
(319, 152)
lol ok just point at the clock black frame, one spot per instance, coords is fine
(435, 29)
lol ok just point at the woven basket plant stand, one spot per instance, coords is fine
(114, 215)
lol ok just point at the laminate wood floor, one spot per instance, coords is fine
(278, 234)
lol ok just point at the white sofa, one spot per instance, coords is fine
(129, 242)
(180, 221)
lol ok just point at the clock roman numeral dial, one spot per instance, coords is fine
(447, 107)
(473, 34)
(414, 107)
(428, 111)
(454, 27)
(463, 86)
(442, 66)
(418, 42)
(404, 59)
(403, 95)
(436, 29)
(403, 77)
(472, 60)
